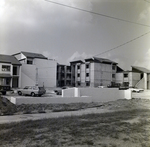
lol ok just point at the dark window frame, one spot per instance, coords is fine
(87, 74)
(125, 75)
(6, 67)
(113, 67)
(113, 76)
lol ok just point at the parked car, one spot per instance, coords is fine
(32, 90)
(4, 89)
(136, 90)
(101, 87)
(59, 91)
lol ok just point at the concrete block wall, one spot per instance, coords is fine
(77, 95)
(98, 94)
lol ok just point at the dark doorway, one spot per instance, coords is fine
(15, 82)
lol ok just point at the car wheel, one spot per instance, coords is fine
(33, 94)
(19, 92)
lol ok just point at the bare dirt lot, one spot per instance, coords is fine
(127, 126)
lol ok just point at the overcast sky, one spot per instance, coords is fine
(64, 33)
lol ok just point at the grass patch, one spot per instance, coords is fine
(80, 130)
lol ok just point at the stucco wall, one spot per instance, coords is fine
(148, 81)
(102, 94)
(119, 78)
(82, 73)
(135, 78)
(28, 75)
(103, 74)
(46, 72)
(98, 95)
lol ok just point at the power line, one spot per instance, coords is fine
(100, 14)
(123, 44)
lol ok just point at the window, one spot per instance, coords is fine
(5, 68)
(87, 74)
(7, 81)
(79, 83)
(87, 83)
(113, 75)
(78, 67)
(87, 65)
(14, 70)
(113, 67)
(125, 75)
(78, 75)
(29, 62)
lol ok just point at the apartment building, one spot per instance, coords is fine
(93, 72)
(37, 69)
(9, 71)
(136, 77)
(63, 75)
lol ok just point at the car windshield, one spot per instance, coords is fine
(26, 87)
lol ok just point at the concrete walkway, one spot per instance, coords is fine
(24, 117)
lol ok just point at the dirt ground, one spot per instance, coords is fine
(128, 125)
(7, 108)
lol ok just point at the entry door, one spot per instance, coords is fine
(15, 82)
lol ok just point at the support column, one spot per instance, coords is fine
(145, 80)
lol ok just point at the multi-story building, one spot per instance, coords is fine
(136, 77)
(9, 71)
(37, 69)
(63, 75)
(93, 72)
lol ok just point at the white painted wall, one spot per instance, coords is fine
(98, 94)
(46, 72)
(135, 78)
(82, 72)
(119, 78)
(148, 81)
(28, 75)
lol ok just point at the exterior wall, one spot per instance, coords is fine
(6, 72)
(92, 74)
(98, 94)
(83, 95)
(82, 75)
(43, 69)
(103, 74)
(46, 72)
(3, 79)
(119, 78)
(63, 75)
(73, 74)
(135, 78)
(148, 81)
(96, 74)
(28, 75)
